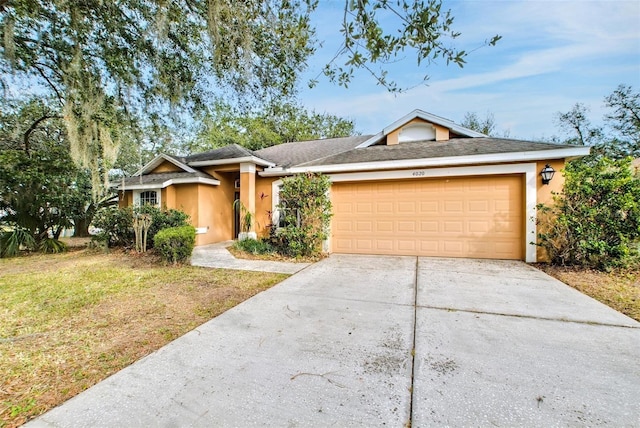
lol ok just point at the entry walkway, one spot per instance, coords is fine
(395, 341)
(217, 256)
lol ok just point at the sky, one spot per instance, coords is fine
(552, 55)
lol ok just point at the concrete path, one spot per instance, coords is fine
(372, 341)
(217, 256)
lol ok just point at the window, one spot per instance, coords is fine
(148, 197)
(292, 215)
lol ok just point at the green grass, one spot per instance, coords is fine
(69, 320)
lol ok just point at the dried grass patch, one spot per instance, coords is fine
(68, 321)
(617, 289)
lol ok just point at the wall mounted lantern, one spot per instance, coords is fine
(547, 174)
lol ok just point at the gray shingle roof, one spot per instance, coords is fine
(227, 152)
(161, 177)
(433, 149)
(291, 154)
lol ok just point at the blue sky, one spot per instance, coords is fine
(552, 55)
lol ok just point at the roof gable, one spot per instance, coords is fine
(161, 158)
(426, 117)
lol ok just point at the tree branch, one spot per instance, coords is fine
(44, 76)
(33, 127)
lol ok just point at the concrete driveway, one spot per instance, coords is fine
(372, 341)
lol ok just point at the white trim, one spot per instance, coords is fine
(371, 141)
(167, 183)
(252, 159)
(531, 189)
(136, 196)
(248, 167)
(435, 162)
(275, 200)
(157, 161)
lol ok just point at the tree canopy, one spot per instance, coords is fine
(487, 125)
(280, 123)
(118, 67)
(621, 135)
(41, 190)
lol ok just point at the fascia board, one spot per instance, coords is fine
(252, 159)
(167, 183)
(155, 162)
(371, 141)
(436, 162)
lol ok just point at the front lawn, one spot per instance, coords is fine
(68, 321)
(618, 289)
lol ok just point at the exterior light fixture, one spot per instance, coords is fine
(547, 174)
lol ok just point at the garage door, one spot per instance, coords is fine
(478, 217)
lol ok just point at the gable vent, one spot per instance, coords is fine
(417, 132)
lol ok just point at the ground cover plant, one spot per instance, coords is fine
(69, 320)
(619, 289)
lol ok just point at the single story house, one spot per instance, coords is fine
(421, 186)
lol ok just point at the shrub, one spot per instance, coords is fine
(116, 225)
(12, 240)
(175, 244)
(254, 246)
(52, 246)
(162, 219)
(595, 222)
(305, 209)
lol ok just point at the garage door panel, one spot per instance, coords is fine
(406, 245)
(428, 207)
(479, 226)
(364, 226)
(384, 226)
(449, 217)
(385, 245)
(406, 226)
(384, 208)
(428, 227)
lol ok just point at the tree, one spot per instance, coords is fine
(280, 123)
(625, 119)
(34, 193)
(621, 138)
(576, 122)
(113, 63)
(486, 126)
(35, 156)
(421, 27)
(595, 222)
(305, 210)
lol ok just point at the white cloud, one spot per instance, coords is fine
(551, 53)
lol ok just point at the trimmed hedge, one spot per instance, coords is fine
(175, 244)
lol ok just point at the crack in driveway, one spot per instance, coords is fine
(533, 317)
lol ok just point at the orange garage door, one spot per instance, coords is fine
(478, 217)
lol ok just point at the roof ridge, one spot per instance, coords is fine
(317, 139)
(325, 157)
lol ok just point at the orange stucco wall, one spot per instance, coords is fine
(166, 167)
(264, 206)
(546, 191)
(211, 207)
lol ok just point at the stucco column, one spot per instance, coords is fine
(248, 193)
